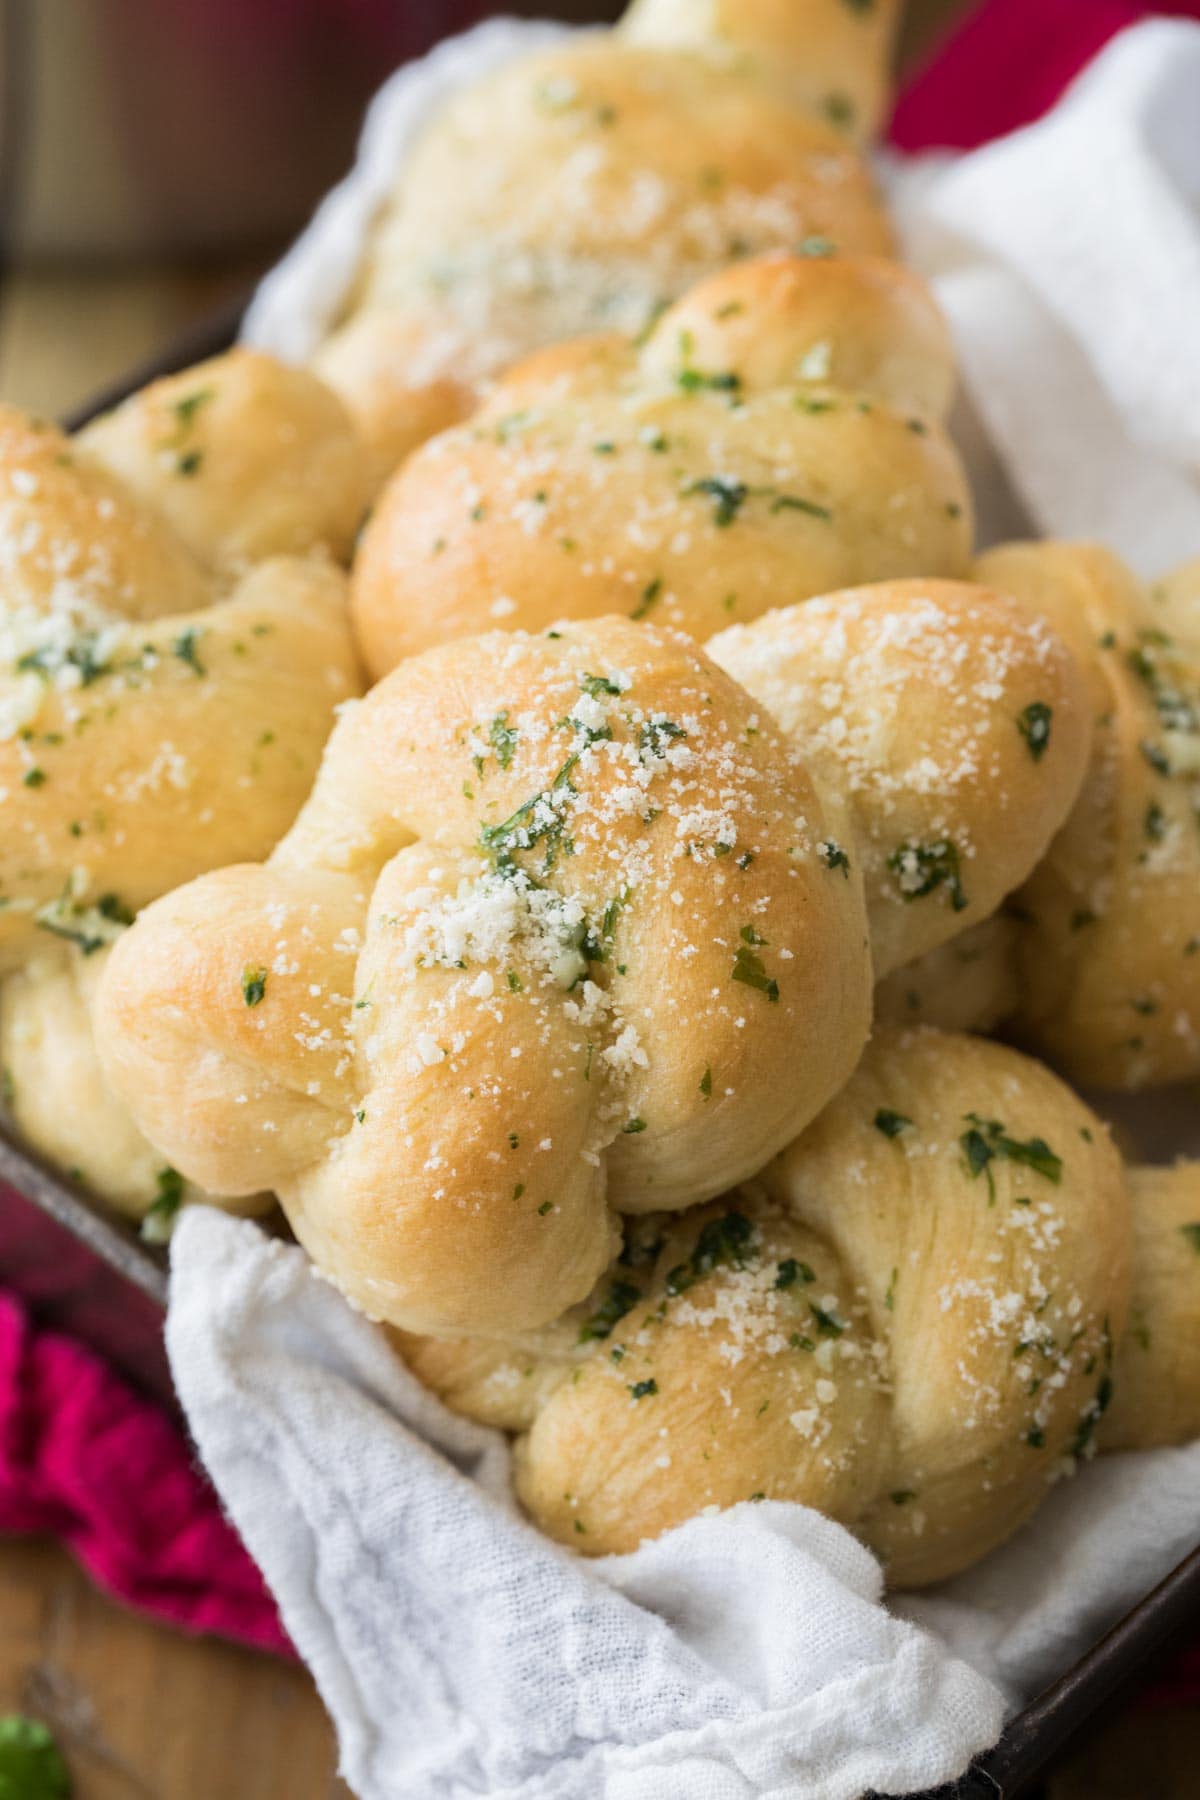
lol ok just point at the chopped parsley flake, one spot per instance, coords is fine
(921, 869)
(640, 1390)
(89, 928)
(159, 1221)
(986, 1139)
(792, 503)
(79, 655)
(633, 1127)
(706, 1084)
(184, 647)
(728, 497)
(537, 820)
(1192, 1234)
(503, 738)
(835, 857)
(694, 381)
(729, 1239)
(186, 409)
(254, 984)
(596, 685)
(891, 1123)
(791, 1271)
(650, 593)
(748, 967)
(1177, 710)
(657, 735)
(1034, 726)
(622, 1297)
(827, 1323)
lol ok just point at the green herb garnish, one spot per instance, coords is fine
(184, 647)
(748, 967)
(254, 984)
(791, 1271)
(921, 869)
(650, 593)
(1034, 726)
(986, 1139)
(622, 1297)
(728, 497)
(729, 1239)
(159, 1221)
(31, 1765)
(503, 738)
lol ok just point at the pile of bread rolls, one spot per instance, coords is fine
(593, 993)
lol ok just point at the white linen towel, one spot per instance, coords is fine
(748, 1654)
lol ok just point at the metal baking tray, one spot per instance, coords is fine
(85, 1271)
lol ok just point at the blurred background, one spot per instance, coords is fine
(155, 157)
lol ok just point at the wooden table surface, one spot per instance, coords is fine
(143, 1713)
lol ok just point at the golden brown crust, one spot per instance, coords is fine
(591, 955)
(584, 187)
(778, 435)
(955, 728)
(166, 685)
(966, 984)
(907, 1323)
(242, 457)
(1110, 949)
(829, 56)
(1157, 1378)
(58, 1099)
(146, 751)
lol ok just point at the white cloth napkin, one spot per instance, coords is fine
(461, 1653)
(747, 1654)
(1067, 257)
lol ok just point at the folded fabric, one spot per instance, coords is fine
(745, 1654)
(85, 1459)
(461, 1653)
(1067, 257)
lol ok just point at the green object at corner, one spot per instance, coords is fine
(31, 1767)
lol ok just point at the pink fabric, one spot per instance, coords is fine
(1007, 64)
(85, 1459)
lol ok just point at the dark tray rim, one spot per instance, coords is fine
(1033, 1738)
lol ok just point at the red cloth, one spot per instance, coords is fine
(85, 1459)
(1007, 64)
